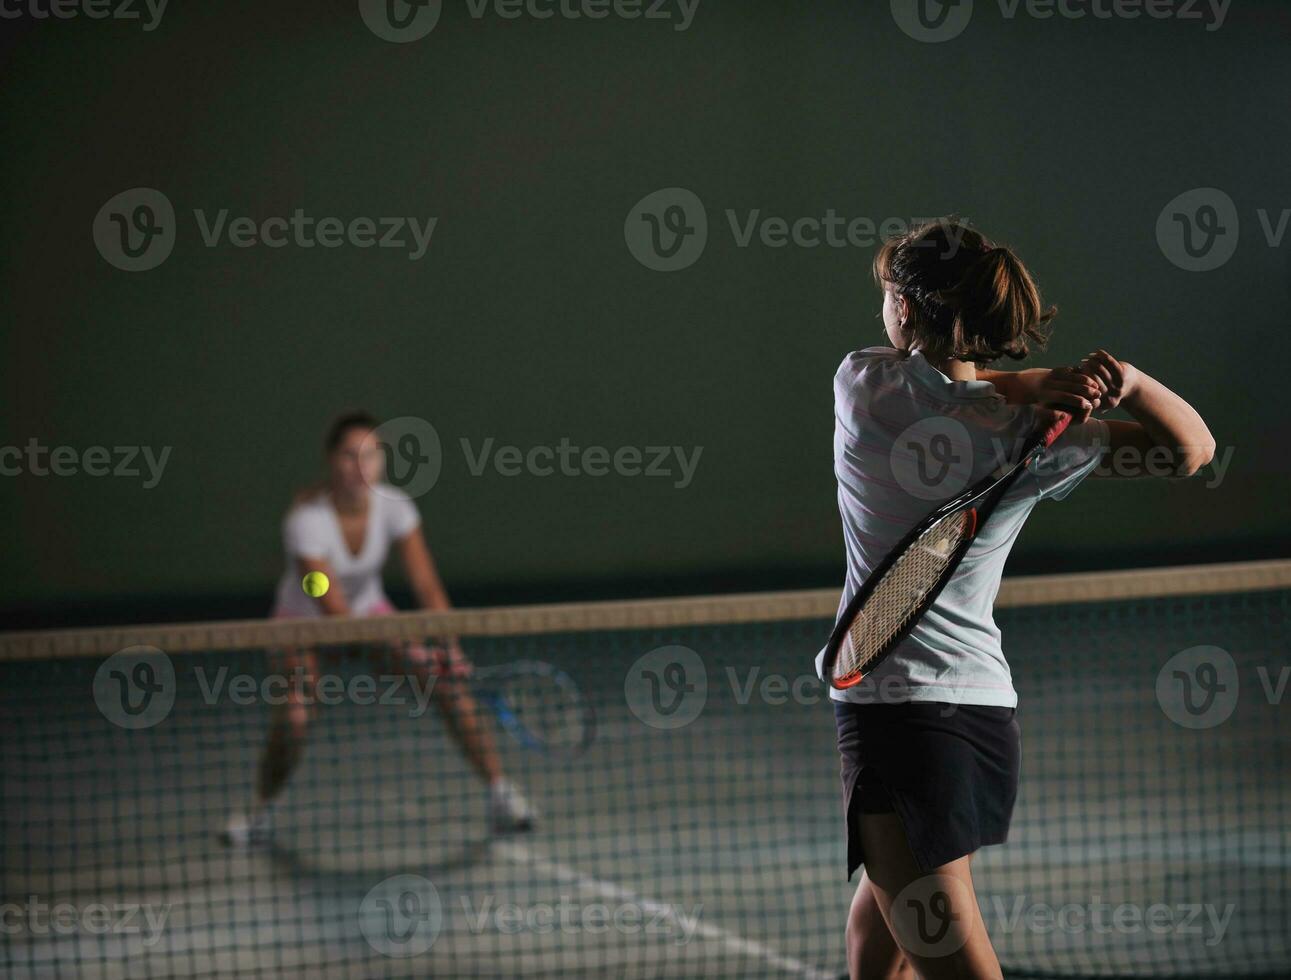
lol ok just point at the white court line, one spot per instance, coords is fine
(737, 944)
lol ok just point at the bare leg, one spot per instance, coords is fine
(508, 809)
(288, 726)
(457, 705)
(933, 916)
(872, 953)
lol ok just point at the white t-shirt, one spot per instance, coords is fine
(907, 439)
(312, 530)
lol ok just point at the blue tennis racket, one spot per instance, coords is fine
(538, 705)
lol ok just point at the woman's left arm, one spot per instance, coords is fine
(427, 586)
(1066, 388)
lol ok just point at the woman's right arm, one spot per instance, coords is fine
(333, 602)
(303, 537)
(1167, 436)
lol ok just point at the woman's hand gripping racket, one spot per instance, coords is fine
(539, 706)
(902, 587)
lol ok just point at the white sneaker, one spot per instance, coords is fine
(508, 809)
(249, 830)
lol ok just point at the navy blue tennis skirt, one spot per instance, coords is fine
(948, 771)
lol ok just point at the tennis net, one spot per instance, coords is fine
(698, 831)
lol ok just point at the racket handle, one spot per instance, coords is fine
(1056, 428)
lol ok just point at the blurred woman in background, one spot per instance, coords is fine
(345, 528)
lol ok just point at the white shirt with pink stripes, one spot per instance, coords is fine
(906, 439)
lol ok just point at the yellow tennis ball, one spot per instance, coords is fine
(315, 584)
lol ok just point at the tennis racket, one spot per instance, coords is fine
(902, 587)
(538, 705)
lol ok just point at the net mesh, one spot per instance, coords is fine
(698, 835)
(901, 592)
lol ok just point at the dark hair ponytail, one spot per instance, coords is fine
(969, 299)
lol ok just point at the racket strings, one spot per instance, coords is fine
(901, 592)
(549, 710)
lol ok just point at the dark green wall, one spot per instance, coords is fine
(529, 320)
